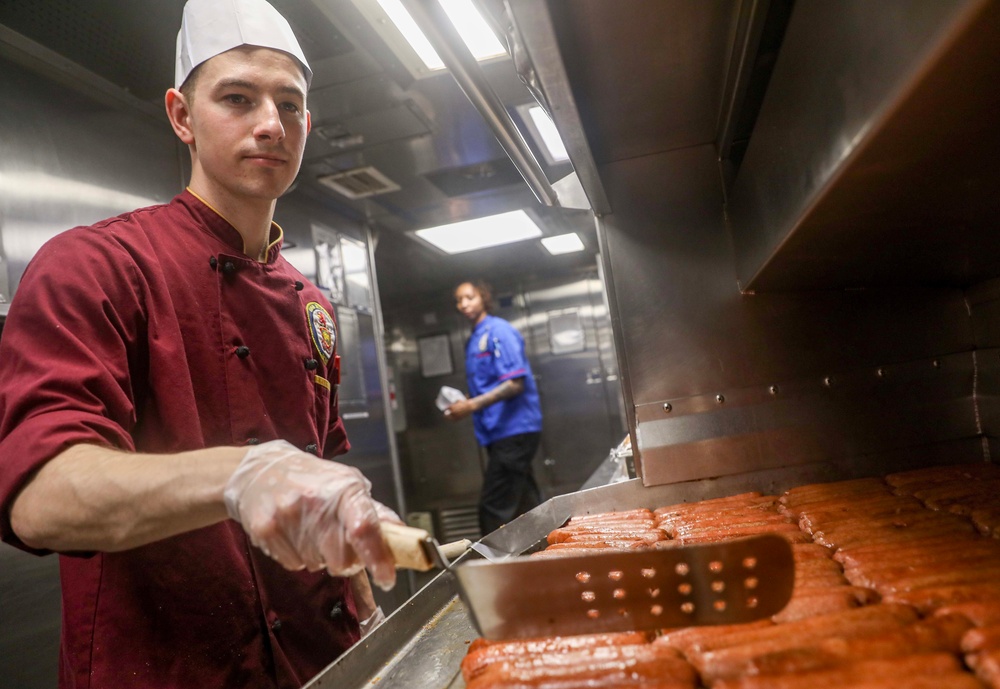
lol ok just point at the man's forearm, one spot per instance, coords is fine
(94, 498)
(504, 391)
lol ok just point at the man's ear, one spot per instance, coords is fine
(309, 122)
(179, 115)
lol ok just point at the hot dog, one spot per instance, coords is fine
(928, 599)
(943, 634)
(596, 673)
(898, 670)
(938, 474)
(869, 619)
(980, 613)
(475, 664)
(988, 668)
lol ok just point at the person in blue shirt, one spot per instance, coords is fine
(503, 402)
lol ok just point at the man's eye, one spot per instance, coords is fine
(290, 107)
(236, 99)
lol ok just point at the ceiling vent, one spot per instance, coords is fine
(359, 183)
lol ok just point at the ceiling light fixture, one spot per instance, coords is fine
(563, 244)
(480, 233)
(548, 133)
(470, 24)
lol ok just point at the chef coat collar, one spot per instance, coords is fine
(213, 221)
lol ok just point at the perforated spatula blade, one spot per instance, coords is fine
(720, 583)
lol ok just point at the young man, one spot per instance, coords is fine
(167, 368)
(503, 401)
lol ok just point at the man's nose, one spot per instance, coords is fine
(269, 127)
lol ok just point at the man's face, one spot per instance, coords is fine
(249, 122)
(469, 302)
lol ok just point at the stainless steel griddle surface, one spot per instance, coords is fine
(422, 644)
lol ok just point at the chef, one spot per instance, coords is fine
(505, 408)
(168, 405)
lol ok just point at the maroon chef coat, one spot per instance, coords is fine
(154, 332)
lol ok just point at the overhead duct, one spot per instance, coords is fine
(359, 183)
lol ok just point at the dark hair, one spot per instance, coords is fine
(485, 292)
(187, 88)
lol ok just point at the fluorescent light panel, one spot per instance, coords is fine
(548, 133)
(470, 24)
(493, 230)
(563, 243)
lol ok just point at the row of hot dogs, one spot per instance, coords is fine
(896, 585)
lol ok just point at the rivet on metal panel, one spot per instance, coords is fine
(880, 372)
(774, 389)
(936, 363)
(828, 381)
(667, 407)
(720, 398)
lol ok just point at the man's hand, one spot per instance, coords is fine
(504, 391)
(310, 513)
(461, 409)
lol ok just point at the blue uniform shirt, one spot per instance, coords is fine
(493, 354)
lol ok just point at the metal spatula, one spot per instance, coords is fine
(720, 583)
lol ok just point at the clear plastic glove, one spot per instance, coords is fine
(311, 513)
(373, 621)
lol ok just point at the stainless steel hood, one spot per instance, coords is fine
(874, 158)
(796, 197)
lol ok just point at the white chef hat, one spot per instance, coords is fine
(211, 27)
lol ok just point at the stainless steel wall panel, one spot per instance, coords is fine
(675, 293)
(581, 419)
(59, 171)
(690, 335)
(848, 414)
(984, 306)
(29, 605)
(5, 291)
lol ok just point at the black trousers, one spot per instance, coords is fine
(509, 488)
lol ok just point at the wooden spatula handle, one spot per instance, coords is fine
(452, 550)
(405, 542)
